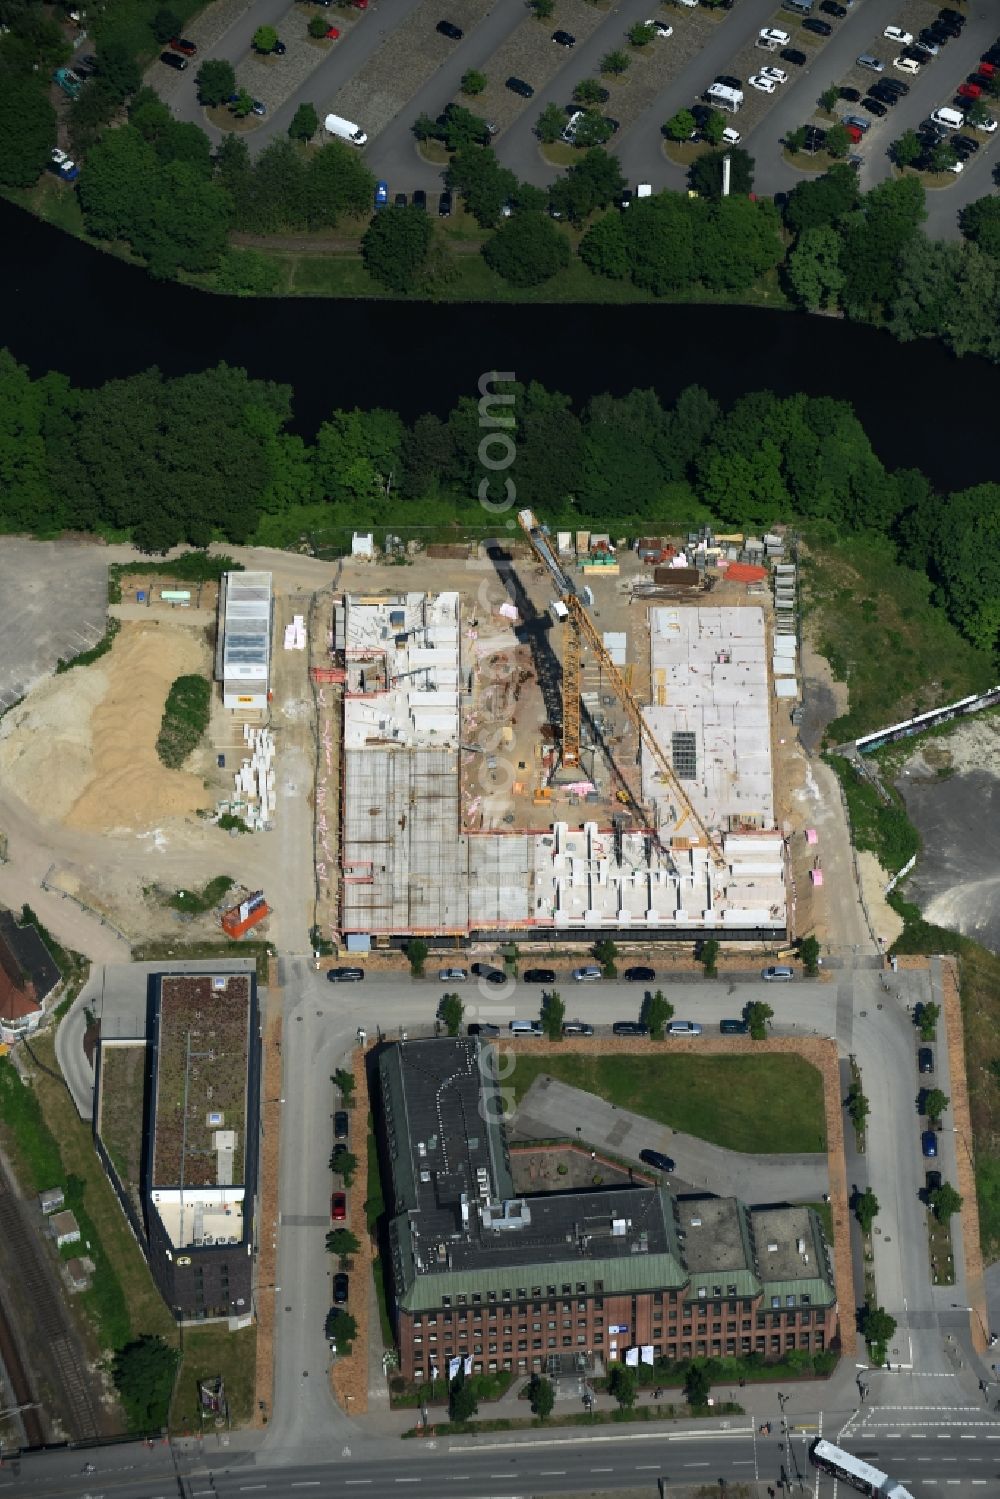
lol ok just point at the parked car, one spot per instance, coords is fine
(831, 8)
(339, 1152)
(489, 973)
(658, 1159)
(871, 62)
(338, 1207)
(526, 1028)
(518, 86)
(332, 33)
(279, 49)
(849, 95)
(341, 1287)
(932, 1183)
(906, 65)
(683, 1028)
(446, 975)
(183, 45)
(925, 1059)
(630, 1028)
(640, 975)
(400, 200)
(895, 85)
(588, 974)
(539, 975)
(172, 60)
(564, 38)
(855, 132)
(778, 973)
(897, 34)
(969, 90)
(346, 975)
(577, 1028)
(444, 205)
(341, 1124)
(874, 106)
(660, 27)
(728, 80)
(259, 107)
(450, 30)
(420, 201)
(778, 74)
(964, 145)
(954, 17)
(819, 28)
(763, 83)
(733, 1027)
(772, 34)
(794, 56)
(928, 1143)
(482, 1028)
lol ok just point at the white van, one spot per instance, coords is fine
(731, 137)
(724, 97)
(906, 65)
(344, 130)
(526, 1028)
(951, 119)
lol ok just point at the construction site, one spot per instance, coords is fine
(577, 743)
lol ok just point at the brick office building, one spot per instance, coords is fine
(578, 1277)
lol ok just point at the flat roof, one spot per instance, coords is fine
(711, 712)
(246, 650)
(201, 1072)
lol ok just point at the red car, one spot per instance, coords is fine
(181, 44)
(332, 33)
(987, 70)
(856, 135)
(338, 1207)
(969, 90)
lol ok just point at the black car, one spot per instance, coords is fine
(400, 200)
(925, 1059)
(630, 1028)
(733, 1027)
(90, 61)
(640, 975)
(815, 138)
(450, 30)
(564, 38)
(851, 95)
(831, 8)
(948, 28)
(172, 60)
(820, 28)
(346, 975)
(660, 1161)
(577, 1028)
(444, 205)
(341, 1286)
(339, 1152)
(932, 1182)
(895, 86)
(884, 96)
(279, 49)
(341, 1124)
(874, 106)
(539, 975)
(483, 1028)
(419, 198)
(964, 145)
(489, 973)
(955, 16)
(794, 56)
(936, 34)
(728, 81)
(518, 86)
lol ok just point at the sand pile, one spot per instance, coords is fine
(82, 749)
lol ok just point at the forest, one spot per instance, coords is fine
(211, 456)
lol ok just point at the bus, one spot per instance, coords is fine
(855, 1471)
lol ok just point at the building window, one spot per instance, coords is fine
(581, 1337)
(550, 1343)
(536, 1342)
(598, 1339)
(446, 1301)
(567, 1342)
(522, 1344)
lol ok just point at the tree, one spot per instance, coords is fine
(305, 123)
(484, 184)
(551, 124)
(622, 1385)
(589, 91)
(336, 181)
(838, 142)
(877, 1328)
(27, 132)
(814, 270)
(188, 225)
(945, 1201)
(165, 24)
(796, 139)
(344, 1165)
(342, 1242)
(344, 1080)
(980, 223)
(542, 1395)
(594, 129)
(613, 64)
(242, 104)
(143, 1373)
(809, 952)
(935, 1102)
(872, 243)
(641, 34)
(527, 250)
(341, 1328)
(216, 81)
(606, 951)
(907, 149)
(705, 174)
(941, 157)
(265, 39)
(866, 1209)
(114, 191)
(543, 9)
(857, 1106)
(318, 27)
(473, 82)
(823, 200)
(657, 1013)
(757, 1015)
(828, 98)
(395, 245)
(450, 1012)
(553, 1014)
(927, 1020)
(977, 115)
(459, 127)
(119, 70)
(462, 1402)
(603, 248)
(592, 182)
(713, 127)
(417, 952)
(681, 126)
(90, 113)
(710, 957)
(697, 1385)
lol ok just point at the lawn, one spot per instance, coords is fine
(759, 1104)
(123, 1079)
(209, 1351)
(980, 987)
(875, 623)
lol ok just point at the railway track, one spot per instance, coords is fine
(78, 1412)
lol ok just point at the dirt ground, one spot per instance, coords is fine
(82, 749)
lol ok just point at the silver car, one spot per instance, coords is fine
(452, 975)
(590, 974)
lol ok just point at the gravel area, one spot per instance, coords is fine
(408, 57)
(655, 65)
(204, 30)
(272, 78)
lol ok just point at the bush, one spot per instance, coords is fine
(473, 82)
(613, 64)
(318, 27)
(143, 1372)
(185, 719)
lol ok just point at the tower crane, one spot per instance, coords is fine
(579, 625)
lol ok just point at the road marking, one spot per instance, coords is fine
(966, 1436)
(608, 1470)
(696, 1465)
(744, 1462)
(648, 1468)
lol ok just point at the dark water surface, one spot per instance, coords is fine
(68, 307)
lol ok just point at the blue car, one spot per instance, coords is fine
(928, 1143)
(381, 194)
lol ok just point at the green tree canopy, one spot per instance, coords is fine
(681, 126)
(622, 1385)
(980, 223)
(450, 1012)
(304, 123)
(553, 1014)
(945, 1201)
(822, 201)
(342, 1242)
(866, 1209)
(527, 250)
(657, 1013)
(216, 80)
(265, 39)
(395, 245)
(705, 173)
(551, 124)
(165, 24)
(462, 1401)
(813, 268)
(27, 131)
(143, 1373)
(543, 1396)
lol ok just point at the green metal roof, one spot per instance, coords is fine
(645, 1272)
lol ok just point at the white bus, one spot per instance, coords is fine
(855, 1471)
